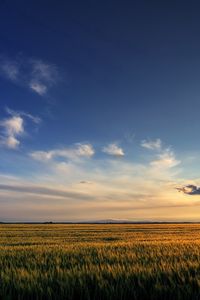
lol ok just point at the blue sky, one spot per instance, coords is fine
(99, 110)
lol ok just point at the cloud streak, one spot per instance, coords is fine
(40, 190)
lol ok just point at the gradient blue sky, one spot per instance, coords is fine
(99, 110)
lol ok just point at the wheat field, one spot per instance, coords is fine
(111, 261)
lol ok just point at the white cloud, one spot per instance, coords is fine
(84, 150)
(12, 142)
(152, 144)
(13, 127)
(113, 149)
(166, 159)
(79, 150)
(35, 74)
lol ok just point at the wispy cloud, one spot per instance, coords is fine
(113, 149)
(11, 112)
(35, 74)
(165, 159)
(77, 151)
(152, 144)
(42, 77)
(10, 69)
(38, 87)
(44, 71)
(13, 128)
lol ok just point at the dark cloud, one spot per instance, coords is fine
(190, 189)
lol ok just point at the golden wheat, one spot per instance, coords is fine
(123, 261)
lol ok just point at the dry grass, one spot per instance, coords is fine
(100, 262)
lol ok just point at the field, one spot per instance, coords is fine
(100, 261)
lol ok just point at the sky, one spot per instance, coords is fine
(99, 110)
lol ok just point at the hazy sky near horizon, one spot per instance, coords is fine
(99, 110)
